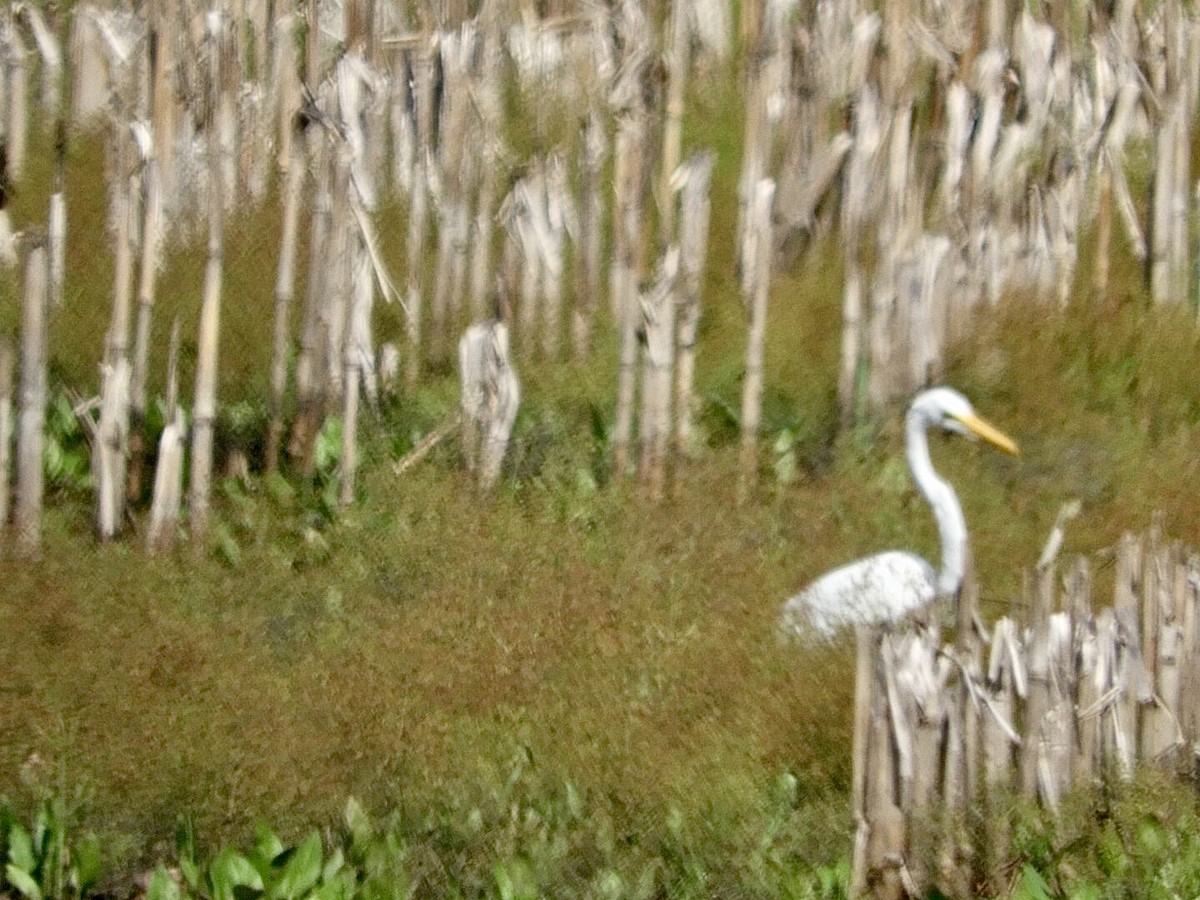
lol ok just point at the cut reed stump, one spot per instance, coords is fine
(491, 395)
(1066, 702)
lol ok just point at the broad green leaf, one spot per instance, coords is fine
(88, 864)
(574, 801)
(327, 452)
(229, 871)
(515, 880)
(267, 843)
(505, 889)
(1033, 885)
(333, 865)
(162, 886)
(20, 848)
(191, 871)
(339, 888)
(358, 822)
(227, 547)
(23, 882)
(52, 457)
(302, 870)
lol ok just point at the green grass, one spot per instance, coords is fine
(428, 643)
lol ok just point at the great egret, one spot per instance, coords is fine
(887, 586)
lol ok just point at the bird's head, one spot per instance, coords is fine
(949, 410)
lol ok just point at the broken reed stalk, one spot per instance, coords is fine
(110, 448)
(171, 393)
(27, 514)
(168, 483)
(864, 692)
(757, 285)
(426, 444)
(1093, 694)
(56, 225)
(658, 315)
(491, 395)
(1038, 701)
(204, 407)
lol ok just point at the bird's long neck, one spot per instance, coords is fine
(952, 527)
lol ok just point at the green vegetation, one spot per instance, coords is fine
(556, 690)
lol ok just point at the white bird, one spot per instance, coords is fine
(887, 586)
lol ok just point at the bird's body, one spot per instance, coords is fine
(887, 586)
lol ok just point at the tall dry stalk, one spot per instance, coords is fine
(7, 361)
(490, 110)
(31, 416)
(285, 286)
(592, 152)
(456, 161)
(109, 455)
(627, 235)
(676, 56)
(696, 176)
(147, 283)
(758, 288)
(423, 78)
(17, 106)
(204, 407)
(309, 370)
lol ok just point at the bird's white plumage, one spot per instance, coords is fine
(881, 588)
(888, 586)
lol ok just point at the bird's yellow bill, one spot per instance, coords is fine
(990, 433)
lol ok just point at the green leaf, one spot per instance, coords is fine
(23, 882)
(515, 881)
(267, 844)
(327, 451)
(162, 886)
(227, 548)
(1033, 885)
(302, 870)
(88, 864)
(230, 871)
(20, 848)
(191, 872)
(341, 887)
(333, 865)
